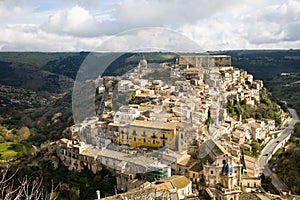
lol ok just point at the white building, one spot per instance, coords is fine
(126, 114)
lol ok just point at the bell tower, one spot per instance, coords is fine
(227, 190)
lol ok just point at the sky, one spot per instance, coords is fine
(85, 25)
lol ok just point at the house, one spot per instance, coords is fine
(126, 114)
(250, 164)
(155, 134)
(251, 178)
(126, 86)
(238, 137)
(157, 171)
(270, 124)
(246, 129)
(196, 173)
(256, 131)
(164, 117)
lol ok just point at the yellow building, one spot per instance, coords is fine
(154, 134)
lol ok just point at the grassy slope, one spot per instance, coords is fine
(9, 150)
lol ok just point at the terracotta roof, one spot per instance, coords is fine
(178, 181)
(164, 186)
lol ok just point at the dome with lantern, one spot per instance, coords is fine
(227, 169)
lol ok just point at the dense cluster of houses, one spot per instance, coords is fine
(172, 129)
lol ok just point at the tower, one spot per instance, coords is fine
(227, 189)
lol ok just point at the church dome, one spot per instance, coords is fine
(227, 169)
(143, 62)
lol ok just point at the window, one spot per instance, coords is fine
(144, 140)
(153, 135)
(134, 139)
(134, 132)
(153, 141)
(211, 172)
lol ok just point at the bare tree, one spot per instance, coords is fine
(23, 188)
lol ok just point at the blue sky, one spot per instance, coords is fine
(75, 25)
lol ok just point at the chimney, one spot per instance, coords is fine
(98, 194)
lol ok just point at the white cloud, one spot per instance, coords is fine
(173, 14)
(145, 39)
(32, 38)
(212, 24)
(13, 9)
(75, 21)
(274, 23)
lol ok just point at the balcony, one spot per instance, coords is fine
(163, 137)
(226, 190)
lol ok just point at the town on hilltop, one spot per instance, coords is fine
(166, 131)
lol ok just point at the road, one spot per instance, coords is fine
(268, 151)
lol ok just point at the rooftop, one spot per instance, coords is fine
(209, 150)
(178, 181)
(155, 124)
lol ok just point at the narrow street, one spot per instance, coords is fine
(269, 150)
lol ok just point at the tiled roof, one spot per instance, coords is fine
(197, 167)
(209, 148)
(164, 186)
(178, 181)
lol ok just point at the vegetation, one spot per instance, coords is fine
(266, 182)
(286, 90)
(23, 188)
(286, 162)
(264, 109)
(9, 150)
(81, 185)
(256, 150)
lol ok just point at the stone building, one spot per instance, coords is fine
(227, 189)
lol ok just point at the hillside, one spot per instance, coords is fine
(36, 94)
(268, 65)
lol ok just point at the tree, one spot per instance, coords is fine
(256, 148)
(266, 179)
(23, 188)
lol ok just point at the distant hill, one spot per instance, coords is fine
(265, 64)
(40, 72)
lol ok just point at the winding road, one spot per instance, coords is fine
(269, 150)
